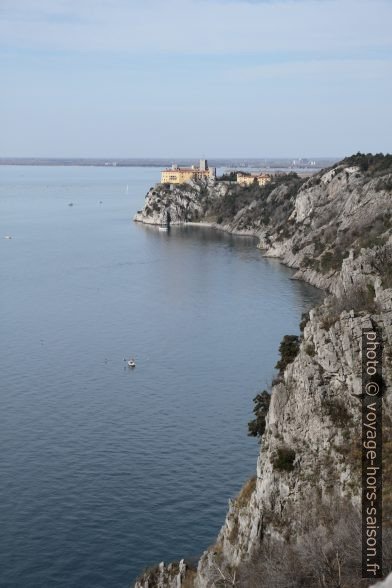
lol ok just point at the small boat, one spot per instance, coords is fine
(7, 237)
(131, 363)
(164, 228)
(70, 204)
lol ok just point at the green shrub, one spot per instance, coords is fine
(288, 350)
(369, 162)
(256, 427)
(304, 320)
(359, 298)
(328, 321)
(384, 184)
(310, 350)
(337, 411)
(284, 459)
(318, 247)
(311, 263)
(332, 260)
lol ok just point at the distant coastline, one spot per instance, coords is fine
(287, 163)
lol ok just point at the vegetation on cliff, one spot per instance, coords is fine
(256, 427)
(367, 162)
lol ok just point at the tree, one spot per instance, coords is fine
(288, 350)
(262, 401)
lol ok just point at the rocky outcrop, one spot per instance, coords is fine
(335, 229)
(174, 575)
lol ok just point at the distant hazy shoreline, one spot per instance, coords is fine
(264, 163)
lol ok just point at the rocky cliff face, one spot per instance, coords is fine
(285, 527)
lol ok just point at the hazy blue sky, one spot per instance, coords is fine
(127, 78)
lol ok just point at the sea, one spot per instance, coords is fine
(105, 469)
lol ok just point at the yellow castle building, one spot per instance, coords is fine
(180, 175)
(248, 179)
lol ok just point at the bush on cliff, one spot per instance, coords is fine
(357, 298)
(332, 260)
(288, 350)
(304, 321)
(284, 459)
(256, 427)
(369, 162)
(337, 411)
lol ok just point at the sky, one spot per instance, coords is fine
(195, 78)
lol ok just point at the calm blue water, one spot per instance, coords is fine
(104, 470)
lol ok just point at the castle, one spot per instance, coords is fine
(180, 175)
(248, 179)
